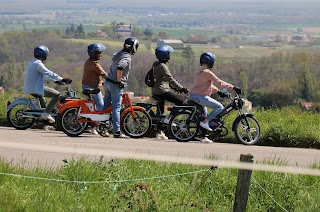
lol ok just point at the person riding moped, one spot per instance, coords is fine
(93, 74)
(35, 76)
(163, 82)
(203, 88)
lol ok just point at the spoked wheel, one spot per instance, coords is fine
(247, 130)
(18, 119)
(181, 128)
(70, 124)
(136, 127)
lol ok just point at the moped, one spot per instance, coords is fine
(184, 124)
(23, 112)
(76, 114)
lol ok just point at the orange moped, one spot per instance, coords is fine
(75, 115)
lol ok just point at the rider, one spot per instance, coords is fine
(117, 80)
(203, 88)
(164, 81)
(35, 75)
(93, 73)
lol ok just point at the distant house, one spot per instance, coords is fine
(100, 34)
(124, 30)
(176, 44)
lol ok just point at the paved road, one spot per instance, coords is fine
(49, 148)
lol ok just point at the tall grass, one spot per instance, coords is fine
(131, 185)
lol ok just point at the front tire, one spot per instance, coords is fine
(15, 117)
(181, 128)
(247, 130)
(70, 124)
(138, 127)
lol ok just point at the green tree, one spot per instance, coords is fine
(244, 82)
(148, 32)
(308, 84)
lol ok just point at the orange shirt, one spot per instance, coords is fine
(203, 83)
(92, 72)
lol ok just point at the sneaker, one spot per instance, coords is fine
(161, 136)
(47, 116)
(206, 140)
(120, 135)
(93, 131)
(205, 126)
(166, 120)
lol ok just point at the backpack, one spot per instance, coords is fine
(149, 79)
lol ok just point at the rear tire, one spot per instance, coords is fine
(181, 128)
(247, 134)
(16, 119)
(70, 124)
(139, 127)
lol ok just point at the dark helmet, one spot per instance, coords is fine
(131, 44)
(93, 49)
(207, 58)
(41, 52)
(163, 53)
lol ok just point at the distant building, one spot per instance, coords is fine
(124, 30)
(176, 44)
(100, 34)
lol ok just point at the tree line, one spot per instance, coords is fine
(275, 81)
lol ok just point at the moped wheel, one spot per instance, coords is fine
(136, 127)
(181, 128)
(69, 123)
(247, 130)
(17, 119)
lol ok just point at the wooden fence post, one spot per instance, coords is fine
(243, 185)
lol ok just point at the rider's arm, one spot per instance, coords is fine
(218, 81)
(99, 70)
(48, 75)
(169, 78)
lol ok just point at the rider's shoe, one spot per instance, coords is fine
(166, 120)
(206, 140)
(120, 135)
(93, 131)
(47, 116)
(205, 126)
(161, 136)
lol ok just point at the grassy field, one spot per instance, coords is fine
(131, 185)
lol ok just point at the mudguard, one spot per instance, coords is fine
(71, 104)
(20, 100)
(134, 108)
(240, 117)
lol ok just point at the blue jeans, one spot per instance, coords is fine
(97, 98)
(208, 102)
(113, 95)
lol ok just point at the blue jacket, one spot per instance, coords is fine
(35, 75)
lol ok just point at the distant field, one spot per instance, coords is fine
(13, 27)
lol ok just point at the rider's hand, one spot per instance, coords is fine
(66, 80)
(221, 94)
(122, 84)
(237, 90)
(58, 82)
(184, 90)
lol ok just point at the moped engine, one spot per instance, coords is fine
(104, 128)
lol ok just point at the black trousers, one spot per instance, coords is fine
(168, 96)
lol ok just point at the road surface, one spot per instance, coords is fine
(35, 147)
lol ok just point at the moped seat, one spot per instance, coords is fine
(88, 91)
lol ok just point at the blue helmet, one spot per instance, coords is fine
(93, 49)
(163, 53)
(207, 58)
(41, 52)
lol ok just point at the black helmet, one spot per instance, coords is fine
(41, 52)
(163, 53)
(131, 44)
(93, 49)
(207, 58)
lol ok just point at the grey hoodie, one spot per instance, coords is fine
(121, 61)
